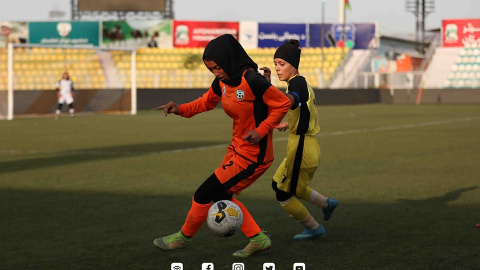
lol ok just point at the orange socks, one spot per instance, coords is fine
(196, 217)
(249, 226)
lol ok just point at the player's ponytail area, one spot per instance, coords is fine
(92, 193)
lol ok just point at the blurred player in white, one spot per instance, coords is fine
(65, 95)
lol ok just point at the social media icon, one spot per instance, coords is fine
(238, 266)
(299, 266)
(268, 266)
(176, 266)
(207, 266)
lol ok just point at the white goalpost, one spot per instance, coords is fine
(32, 71)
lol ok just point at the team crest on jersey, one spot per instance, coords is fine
(240, 94)
(224, 91)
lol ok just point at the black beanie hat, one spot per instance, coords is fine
(290, 52)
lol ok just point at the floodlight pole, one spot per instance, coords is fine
(343, 37)
(133, 83)
(10, 83)
(420, 8)
(322, 39)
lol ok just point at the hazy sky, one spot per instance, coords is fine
(391, 15)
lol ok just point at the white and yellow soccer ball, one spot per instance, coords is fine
(224, 218)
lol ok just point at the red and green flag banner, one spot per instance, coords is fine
(347, 5)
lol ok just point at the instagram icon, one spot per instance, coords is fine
(238, 266)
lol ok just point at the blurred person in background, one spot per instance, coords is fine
(294, 175)
(152, 43)
(256, 107)
(65, 95)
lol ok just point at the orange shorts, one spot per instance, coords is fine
(237, 173)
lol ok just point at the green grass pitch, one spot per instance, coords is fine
(93, 192)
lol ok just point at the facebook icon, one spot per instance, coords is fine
(207, 266)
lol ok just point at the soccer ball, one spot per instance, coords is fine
(224, 218)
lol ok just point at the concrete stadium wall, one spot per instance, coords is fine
(431, 96)
(152, 98)
(45, 102)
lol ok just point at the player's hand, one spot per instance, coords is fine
(266, 73)
(170, 107)
(252, 137)
(282, 126)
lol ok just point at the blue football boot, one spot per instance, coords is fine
(310, 234)
(328, 211)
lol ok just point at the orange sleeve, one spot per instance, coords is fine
(278, 105)
(207, 102)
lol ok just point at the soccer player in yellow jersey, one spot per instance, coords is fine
(292, 178)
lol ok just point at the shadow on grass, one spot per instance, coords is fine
(112, 152)
(450, 196)
(65, 230)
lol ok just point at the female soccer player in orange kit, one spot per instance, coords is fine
(256, 108)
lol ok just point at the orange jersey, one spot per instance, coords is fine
(254, 104)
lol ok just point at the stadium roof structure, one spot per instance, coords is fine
(407, 45)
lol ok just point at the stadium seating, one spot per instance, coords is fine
(182, 67)
(39, 68)
(465, 72)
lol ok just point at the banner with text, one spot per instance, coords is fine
(357, 36)
(64, 33)
(196, 34)
(275, 34)
(457, 33)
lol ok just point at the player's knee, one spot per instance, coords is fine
(211, 190)
(279, 194)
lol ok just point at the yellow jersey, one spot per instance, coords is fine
(302, 116)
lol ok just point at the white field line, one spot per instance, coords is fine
(324, 134)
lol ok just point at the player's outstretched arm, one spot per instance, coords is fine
(170, 107)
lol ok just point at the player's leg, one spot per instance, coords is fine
(328, 205)
(210, 190)
(291, 179)
(235, 178)
(69, 101)
(298, 212)
(259, 241)
(59, 106)
(71, 110)
(310, 160)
